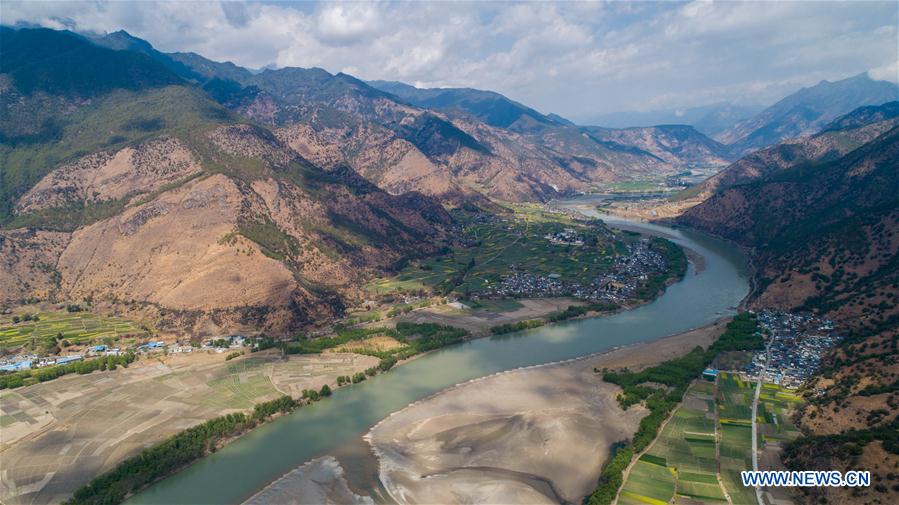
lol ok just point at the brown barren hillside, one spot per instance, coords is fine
(149, 195)
(825, 237)
(287, 235)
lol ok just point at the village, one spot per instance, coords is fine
(796, 344)
(29, 361)
(617, 284)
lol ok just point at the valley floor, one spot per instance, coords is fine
(535, 435)
(58, 435)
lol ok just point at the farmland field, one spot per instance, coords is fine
(734, 415)
(648, 482)
(776, 406)
(686, 446)
(497, 246)
(682, 459)
(59, 434)
(79, 328)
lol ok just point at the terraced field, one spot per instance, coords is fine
(79, 328)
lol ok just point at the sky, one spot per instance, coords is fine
(577, 59)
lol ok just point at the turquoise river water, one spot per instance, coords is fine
(330, 427)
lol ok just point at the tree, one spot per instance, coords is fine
(325, 391)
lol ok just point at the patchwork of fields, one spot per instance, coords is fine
(708, 435)
(499, 245)
(79, 328)
(682, 460)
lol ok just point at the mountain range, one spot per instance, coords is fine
(146, 192)
(709, 119)
(301, 180)
(807, 111)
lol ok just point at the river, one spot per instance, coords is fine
(335, 425)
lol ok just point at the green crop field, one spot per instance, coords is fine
(238, 391)
(648, 483)
(496, 246)
(700, 490)
(735, 422)
(682, 458)
(776, 408)
(77, 327)
(686, 447)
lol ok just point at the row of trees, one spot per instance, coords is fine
(577, 311)
(570, 313)
(502, 329)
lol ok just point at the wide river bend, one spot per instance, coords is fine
(245, 466)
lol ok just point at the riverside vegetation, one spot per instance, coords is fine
(571, 312)
(741, 334)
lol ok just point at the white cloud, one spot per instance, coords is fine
(888, 72)
(346, 24)
(577, 58)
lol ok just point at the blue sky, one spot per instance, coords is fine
(577, 59)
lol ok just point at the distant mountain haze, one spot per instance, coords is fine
(807, 110)
(836, 139)
(708, 119)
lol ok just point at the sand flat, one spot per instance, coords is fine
(319, 481)
(534, 435)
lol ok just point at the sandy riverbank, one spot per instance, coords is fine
(318, 481)
(535, 435)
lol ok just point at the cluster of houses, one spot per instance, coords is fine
(617, 284)
(796, 346)
(568, 236)
(30, 361)
(218, 344)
